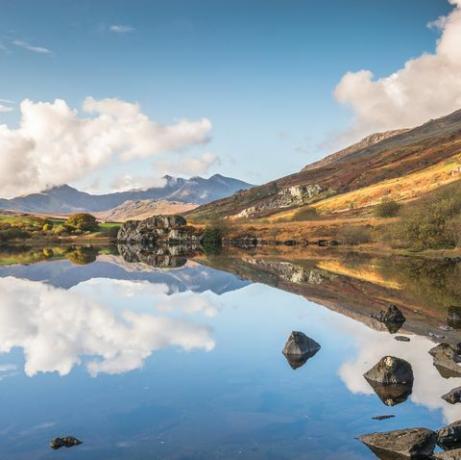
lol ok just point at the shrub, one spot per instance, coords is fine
(354, 235)
(212, 239)
(387, 208)
(82, 255)
(47, 227)
(13, 233)
(306, 214)
(59, 230)
(82, 221)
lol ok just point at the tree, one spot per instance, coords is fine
(83, 222)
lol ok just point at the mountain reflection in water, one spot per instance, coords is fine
(144, 357)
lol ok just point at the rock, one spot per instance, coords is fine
(299, 348)
(392, 394)
(408, 443)
(446, 360)
(454, 317)
(449, 455)
(66, 441)
(382, 417)
(392, 318)
(449, 437)
(391, 370)
(402, 338)
(453, 396)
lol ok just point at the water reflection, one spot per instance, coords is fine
(58, 329)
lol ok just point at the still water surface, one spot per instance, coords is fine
(185, 363)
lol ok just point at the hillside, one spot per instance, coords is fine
(65, 199)
(142, 209)
(401, 165)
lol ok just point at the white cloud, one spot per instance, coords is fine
(58, 329)
(129, 182)
(428, 86)
(27, 46)
(192, 166)
(120, 28)
(5, 108)
(54, 144)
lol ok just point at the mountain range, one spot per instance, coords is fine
(400, 165)
(65, 199)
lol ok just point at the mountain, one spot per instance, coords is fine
(65, 199)
(399, 165)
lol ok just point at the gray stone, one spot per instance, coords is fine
(299, 348)
(410, 443)
(446, 360)
(390, 370)
(65, 441)
(453, 396)
(449, 437)
(393, 318)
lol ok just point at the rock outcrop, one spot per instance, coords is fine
(454, 317)
(409, 443)
(447, 360)
(391, 371)
(449, 437)
(299, 348)
(449, 455)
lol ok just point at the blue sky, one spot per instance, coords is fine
(263, 72)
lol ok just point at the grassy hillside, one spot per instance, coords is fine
(402, 166)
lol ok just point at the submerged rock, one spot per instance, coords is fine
(453, 396)
(392, 318)
(382, 417)
(391, 370)
(66, 441)
(449, 437)
(392, 394)
(446, 360)
(299, 348)
(402, 338)
(408, 443)
(449, 455)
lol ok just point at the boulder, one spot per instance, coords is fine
(446, 360)
(299, 348)
(408, 443)
(449, 437)
(449, 455)
(389, 371)
(66, 441)
(392, 318)
(453, 396)
(392, 394)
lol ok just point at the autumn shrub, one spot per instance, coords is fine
(387, 208)
(354, 235)
(82, 221)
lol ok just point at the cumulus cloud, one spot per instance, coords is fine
(27, 46)
(58, 329)
(426, 87)
(55, 144)
(5, 108)
(120, 28)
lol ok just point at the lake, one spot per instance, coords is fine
(174, 358)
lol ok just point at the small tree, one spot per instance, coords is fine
(82, 221)
(387, 208)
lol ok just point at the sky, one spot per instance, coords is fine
(110, 95)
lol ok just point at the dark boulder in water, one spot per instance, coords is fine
(453, 396)
(392, 318)
(390, 371)
(392, 394)
(447, 360)
(299, 348)
(449, 437)
(66, 441)
(409, 443)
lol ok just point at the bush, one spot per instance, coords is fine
(47, 227)
(82, 255)
(82, 221)
(212, 239)
(59, 230)
(354, 235)
(387, 208)
(306, 214)
(13, 233)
